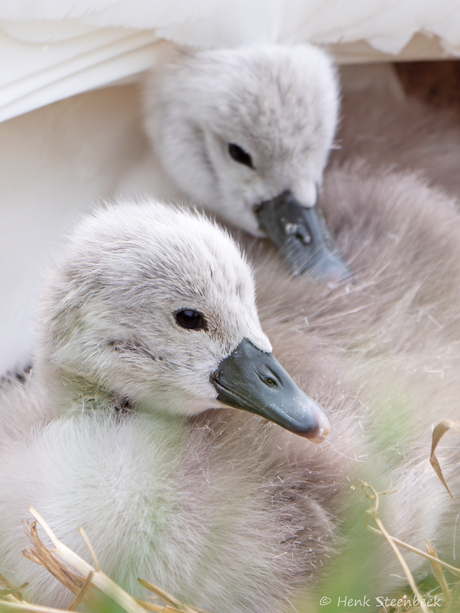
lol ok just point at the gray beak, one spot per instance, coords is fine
(254, 381)
(302, 237)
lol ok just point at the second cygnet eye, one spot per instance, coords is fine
(240, 155)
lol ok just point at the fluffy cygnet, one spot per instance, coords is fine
(148, 319)
(252, 506)
(234, 129)
(381, 355)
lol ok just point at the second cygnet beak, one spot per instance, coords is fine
(302, 237)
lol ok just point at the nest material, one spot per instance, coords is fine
(87, 582)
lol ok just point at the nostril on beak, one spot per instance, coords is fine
(269, 381)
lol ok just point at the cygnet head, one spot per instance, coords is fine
(236, 128)
(154, 307)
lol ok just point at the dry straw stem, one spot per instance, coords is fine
(11, 600)
(39, 554)
(453, 569)
(373, 496)
(175, 605)
(451, 598)
(99, 579)
(60, 562)
(25, 607)
(438, 433)
(438, 572)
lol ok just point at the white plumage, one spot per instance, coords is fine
(58, 49)
(386, 328)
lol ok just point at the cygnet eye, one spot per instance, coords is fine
(191, 320)
(240, 155)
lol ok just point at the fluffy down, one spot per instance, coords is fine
(277, 103)
(394, 331)
(381, 354)
(213, 505)
(387, 128)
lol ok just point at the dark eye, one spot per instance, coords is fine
(191, 320)
(240, 155)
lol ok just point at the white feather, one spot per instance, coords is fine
(58, 49)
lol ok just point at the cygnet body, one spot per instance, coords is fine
(392, 335)
(392, 331)
(381, 355)
(145, 320)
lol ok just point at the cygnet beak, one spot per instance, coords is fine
(254, 381)
(302, 237)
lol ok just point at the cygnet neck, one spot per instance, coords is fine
(74, 394)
